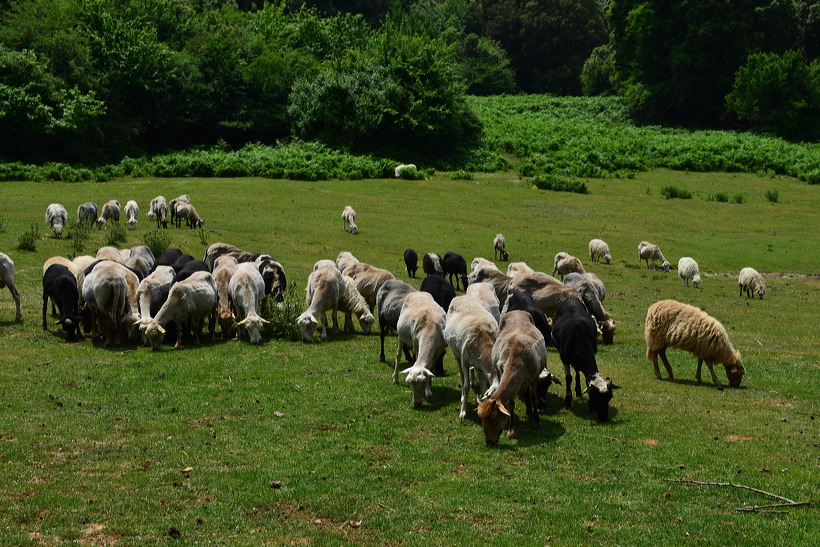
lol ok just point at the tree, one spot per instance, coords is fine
(598, 72)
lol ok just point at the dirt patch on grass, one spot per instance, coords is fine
(93, 535)
(782, 404)
(736, 438)
(650, 442)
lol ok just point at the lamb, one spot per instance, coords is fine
(598, 249)
(575, 337)
(547, 291)
(515, 268)
(389, 301)
(72, 267)
(493, 276)
(399, 168)
(172, 205)
(519, 357)
(500, 247)
(132, 211)
(590, 296)
(247, 290)
(648, 251)
(152, 293)
(348, 219)
(158, 211)
(352, 302)
(87, 212)
(420, 326)
(431, 264)
(324, 289)
(60, 285)
(751, 281)
(224, 268)
(192, 219)
(56, 218)
(454, 265)
(479, 263)
(688, 271)
(671, 324)
(411, 262)
(104, 293)
(194, 299)
(485, 294)
(110, 211)
(565, 263)
(7, 280)
(470, 331)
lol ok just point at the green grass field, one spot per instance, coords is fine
(289, 443)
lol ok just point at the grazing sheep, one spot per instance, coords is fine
(72, 267)
(648, 251)
(194, 298)
(411, 262)
(172, 205)
(222, 249)
(168, 257)
(368, 280)
(441, 290)
(7, 280)
(158, 211)
(547, 291)
(590, 296)
(152, 293)
(224, 268)
(82, 262)
(273, 273)
(479, 263)
(187, 212)
(565, 263)
(87, 212)
(751, 281)
(346, 260)
(671, 324)
(400, 168)
(247, 290)
(485, 293)
(420, 326)
(179, 263)
(352, 302)
(516, 268)
(110, 211)
(688, 271)
(431, 264)
(575, 337)
(132, 211)
(109, 253)
(494, 277)
(189, 268)
(470, 331)
(455, 265)
(519, 357)
(104, 294)
(324, 289)
(141, 260)
(60, 285)
(56, 218)
(500, 247)
(598, 249)
(349, 219)
(597, 283)
(389, 301)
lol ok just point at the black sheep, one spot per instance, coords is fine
(455, 265)
(189, 268)
(167, 258)
(274, 275)
(60, 285)
(411, 261)
(431, 265)
(441, 290)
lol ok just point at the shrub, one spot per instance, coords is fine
(411, 174)
(462, 175)
(204, 236)
(722, 197)
(772, 195)
(559, 183)
(283, 319)
(673, 192)
(115, 234)
(78, 234)
(738, 198)
(28, 239)
(157, 240)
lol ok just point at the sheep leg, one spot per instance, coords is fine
(653, 355)
(16, 295)
(335, 320)
(511, 408)
(396, 369)
(568, 398)
(348, 326)
(179, 333)
(666, 364)
(530, 398)
(438, 369)
(697, 373)
(382, 332)
(464, 375)
(324, 325)
(212, 324)
(578, 391)
(712, 372)
(45, 308)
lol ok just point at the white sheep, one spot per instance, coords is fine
(348, 219)
(324, 289)
(141, 260)
(751, 281)
(172, 205)
(353, 303)
(223, 270)
(193, 298)
(485, 294)
(110, 211)
(247, 290)
(479, 263)
(345, 260)
(688, 271)
(421, 327)
(152, 293)
(500, 247)
(7, 280)
(515, 268)
(493, 276)
(186, 211)
(565, 263)
(132, 211)
(598, 249)
(104, 293)
(56, 218)
(649, 251)
(400, 168)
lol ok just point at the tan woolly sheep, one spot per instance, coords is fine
(671, 324)
(751, 281)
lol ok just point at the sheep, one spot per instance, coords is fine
(565, 263)
(56, 218)
(348, 219)
(60, 285)
(470, 332)
(324, 288)
(411, 262)
(141, 260)
(399, 168)
(224, 268)
(368, 281)
(222, 249)
(420, 326)
(597, 283)
(494, 277)
(181, 260)
(192, 219)
(71, 266)
(454, 265)
(172, 205)
(82, 262)
(132, 211)
(441, 290)
(688, 271)
(671, 324)
(575, 336)
(479, 263)
(547, 291)
(168, 257)
(345, 260)
(104, 293)
(519, 356)
(485, 293)
(516, 268)
(110, 211)
(152, 293)
(247, 290)
(500, 247)
(130, 316)
(389, 301)
(7, 280)
(352, 302)
(158, 211)
(751, 281)
(648, 251)
(189, 268)
(194, 299)
(273, 273)
(589, 293)
(598, 249)
(87, 212)
(431, 264)
(109, 253)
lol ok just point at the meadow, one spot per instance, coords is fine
(289, 443)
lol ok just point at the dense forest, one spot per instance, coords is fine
(93, 81)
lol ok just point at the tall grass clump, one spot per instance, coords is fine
(721, 197)
(462, 174)
(78, 234)
(28, 239)
(3, 225)
(157, 240)
(673, 192)
(738, 198)
(772, 196)
(559, 183)
(115, 234)
(204, 237)
(283, 317)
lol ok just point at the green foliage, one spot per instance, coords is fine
(738, 198)
(157, 239)
(721, 197)
(559, 183)
(598, 72)
(204, 237)
(462, 175)
(115, 234)
(484, 66)
(283, 316)
(28, 239)
(4, 224)
(772, 196)
(78, 234)
(673, 192)
(780, 92)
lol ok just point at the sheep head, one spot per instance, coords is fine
(58, 228)
(696, 280)
(307, 325)
(545, 380)
(494, 418)
(418, 378)
(607, 328)
(254, 323)
(735, 370)
(366, 321)
(154, 332)
(666, 266)
(70, 326)
(599, 392)
(760, 288)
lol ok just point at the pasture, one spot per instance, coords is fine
(288, 443)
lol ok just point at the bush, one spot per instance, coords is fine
(204, 236)
(673, 192)
(721, 197)
(28, 239)
(115, 234)
(411, 174)
(462, 175)
(738, 198)
(78, 234)
(559, 183)
(772, 195)
(157, 240)
(283, 320)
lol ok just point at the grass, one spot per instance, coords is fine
(291, 443)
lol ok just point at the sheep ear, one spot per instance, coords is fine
(429, 373)
(58, 322)
(242, 322)
(503, 409)
(610, 385)
(161, 330)
(264, 321)
(406, 371)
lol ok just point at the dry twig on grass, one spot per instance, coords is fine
(753, 508)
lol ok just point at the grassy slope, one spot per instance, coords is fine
(94, 441)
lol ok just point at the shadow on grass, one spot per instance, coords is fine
(704, 384)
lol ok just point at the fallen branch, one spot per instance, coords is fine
(753, 508)
(760, 508)
(614, 439)
(43, 363)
